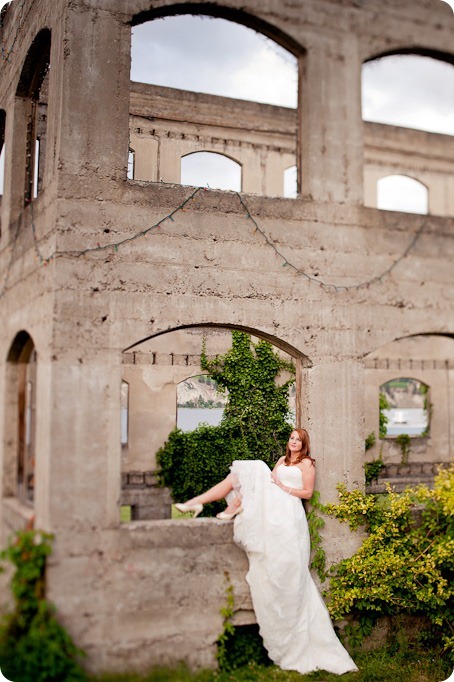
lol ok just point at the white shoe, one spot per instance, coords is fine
(226, 516)
(184, 507)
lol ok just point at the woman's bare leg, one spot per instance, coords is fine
(217, 492)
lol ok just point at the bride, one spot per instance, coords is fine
(271, 526)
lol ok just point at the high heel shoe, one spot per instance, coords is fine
(227, 516)
(184, 507)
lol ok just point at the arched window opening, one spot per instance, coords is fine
(227, 76)
(409, 90)
(290, 182)
(213, 56)
(124, 414)
(199, 402)
(32, 91)
(405, 408)
(27, 424)
(401, 193)
(208, 169)
(20, 420)
(131, 164)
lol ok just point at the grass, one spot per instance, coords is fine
(407, 663)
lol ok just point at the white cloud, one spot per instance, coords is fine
(410, 91)
(213, 56)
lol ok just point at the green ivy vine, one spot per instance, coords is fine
(383, 419)
(33, 645)
(255, 424)
(238, 646)
(403, 440)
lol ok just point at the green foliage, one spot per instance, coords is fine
(33, 645)
(201, 403)
(253, 426)
(372, 470)
(370, 441)
(428, 407)
(403, 440)
(256, 405)
(383, 419)
(238, 646)
(191, 462)
(229, 630)
(316, 523)
(403, 566)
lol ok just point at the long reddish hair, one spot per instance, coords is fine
(305, 448)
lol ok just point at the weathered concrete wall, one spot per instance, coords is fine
(167, 124)
(295, 281)
(146, 593)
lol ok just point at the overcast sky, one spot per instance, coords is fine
(223, 58)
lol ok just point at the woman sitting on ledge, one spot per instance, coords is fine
(271, 526)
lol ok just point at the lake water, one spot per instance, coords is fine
(412, 421)
(189, 418)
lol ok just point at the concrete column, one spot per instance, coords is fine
(335, 421)
(438, 197)
(84, 442)
(331, 126)
(169, 160)
(371, 177)
(146, 158)
(251, 181)
(152, 413)
(94, 124)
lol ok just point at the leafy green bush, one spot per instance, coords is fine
(405, 565)
(191, 462)
(372, 470)
(254, 424)
(33, 645)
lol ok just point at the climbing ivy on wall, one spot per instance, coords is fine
(33, 644)
(255, 424)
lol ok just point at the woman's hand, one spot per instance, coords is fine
(275, 479)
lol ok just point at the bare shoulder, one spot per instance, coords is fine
(307, 466)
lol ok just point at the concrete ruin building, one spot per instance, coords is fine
(109, 279)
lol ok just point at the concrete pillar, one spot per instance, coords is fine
(95, 69)
(146, 158)
(437, 195)
(335, 421)
(371, 177)
(251, 180)
(169, 168)
(152, 413)
(331, 136)
(84, 442)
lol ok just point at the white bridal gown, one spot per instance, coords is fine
(294, 622)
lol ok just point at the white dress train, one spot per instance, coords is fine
(272, 529)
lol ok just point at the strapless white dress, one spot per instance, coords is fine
(272, 529)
